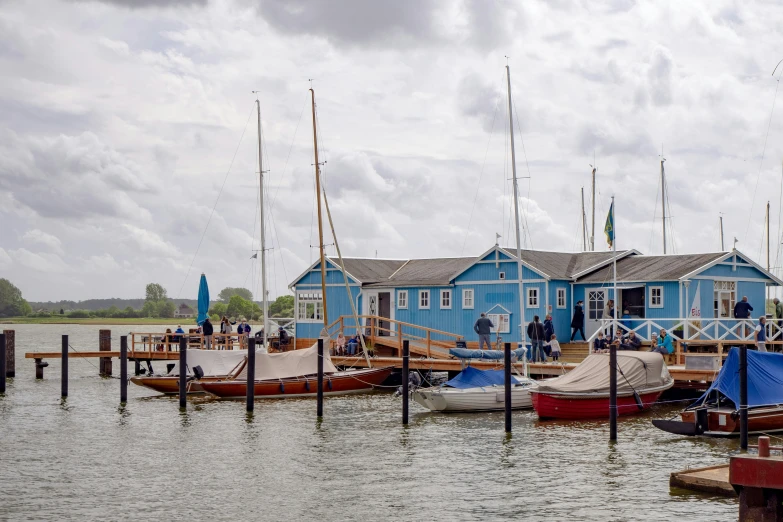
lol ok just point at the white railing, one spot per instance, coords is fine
(692, 329)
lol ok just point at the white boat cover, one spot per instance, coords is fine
(213, 362)
(638, 371)
(288, 364)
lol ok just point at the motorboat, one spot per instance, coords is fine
(474, 390)
(716, 413)
(583, 393)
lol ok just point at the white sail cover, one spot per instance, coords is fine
(213, 362)
(288, 364)
(638, 371)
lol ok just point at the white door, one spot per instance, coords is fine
(596, 300)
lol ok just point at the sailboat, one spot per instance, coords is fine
(290, 374)
(475, 390)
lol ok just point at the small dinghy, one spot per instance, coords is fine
(475, 390)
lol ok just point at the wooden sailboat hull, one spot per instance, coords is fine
(724, 422)
(170, 385)
(340, 383)
(574, 407)
(488, 398)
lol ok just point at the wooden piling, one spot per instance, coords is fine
(124, 369)
(405, 376)
(10, 353)
(2, 363)
(104, 345)
(183, 373)
(39, 366)
(320, 392)
(613, 392)
(251, 373)
(64, 367)
(743, 405)
(507, 384)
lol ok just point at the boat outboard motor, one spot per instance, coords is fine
(198, 373)
(702, 424)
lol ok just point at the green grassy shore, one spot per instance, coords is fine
(95, 320)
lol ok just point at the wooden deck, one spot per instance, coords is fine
(713, 479)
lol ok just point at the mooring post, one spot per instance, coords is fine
(104, 345)
(613, 392)
(320, 393)
(405, 376)
(507, 384)
(64, 368)
(10, 353)
(743, 406)
(251, 373)
(124, 369)
(2, 363)
(39, 366)
(183, 373)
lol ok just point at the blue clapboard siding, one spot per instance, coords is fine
(561, 317)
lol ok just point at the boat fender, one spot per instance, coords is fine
(638, 399)
(282, 387)
(330, 383)
(307, 385)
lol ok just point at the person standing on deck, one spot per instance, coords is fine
(535, 332)
(578, 321)
(742, 310)
(609, 315)
(549, 331)
(483, 328)
(778, 313)
(761, 334)
(207, 329)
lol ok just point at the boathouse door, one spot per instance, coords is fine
(384, 310)
(596, 299)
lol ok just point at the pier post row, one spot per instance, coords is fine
(124, 369)
(405, 382)
(507, 385)
(183, 373)
(320, 390)
(64, 367)
(10, 353)
(2, 363)
(104, 345)
(251, 373)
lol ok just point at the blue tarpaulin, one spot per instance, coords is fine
(765, 379)
(203, 300)
(494, 355)
(472, 378)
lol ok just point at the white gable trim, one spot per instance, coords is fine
(727, 255)
(328, 262)
(505, 253)
(604, 263)
(498, 306)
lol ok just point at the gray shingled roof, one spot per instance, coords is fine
(652, 268)
(562, 265)
(438, 271)
(370, 270)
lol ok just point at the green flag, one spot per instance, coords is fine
(609, 228)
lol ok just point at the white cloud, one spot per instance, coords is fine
(5, 259)
(39, 237)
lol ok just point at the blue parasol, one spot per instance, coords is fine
(203, 300)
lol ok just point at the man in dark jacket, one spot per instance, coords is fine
(207, 329)
(578, 322)
(483, 328)
(535, 332)
(632, 342)
(742, 310)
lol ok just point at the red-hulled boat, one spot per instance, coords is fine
(216, 365)
(583, 393)
(294, 374)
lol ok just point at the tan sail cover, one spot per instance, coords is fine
(640, 371)
(213, 362)
(288, 364)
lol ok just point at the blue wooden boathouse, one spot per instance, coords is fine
(692, 295)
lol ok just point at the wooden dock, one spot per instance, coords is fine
(712, 479)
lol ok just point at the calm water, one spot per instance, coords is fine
(87, 458)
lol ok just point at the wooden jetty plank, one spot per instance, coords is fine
(712, 479)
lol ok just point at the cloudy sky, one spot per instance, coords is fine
(121, 121)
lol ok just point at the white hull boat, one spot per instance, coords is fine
(485, 398)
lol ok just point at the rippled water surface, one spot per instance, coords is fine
(88, 458)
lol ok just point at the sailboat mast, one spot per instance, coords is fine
(592, 232)
(264, 305)
(617, 302)
(320, 221)
(584, 222)
(516, 210)
(722, 247)
(663, 202)
(768, 264)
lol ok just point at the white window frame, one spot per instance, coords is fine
(304, 298)
(424, 294)
(502, 322)
(532, 295)
(468, 302)
(445, 294)
(561, 295)
(652, 297)
(502, 275)
(402, 299)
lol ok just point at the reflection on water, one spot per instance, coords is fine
(90, 458)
